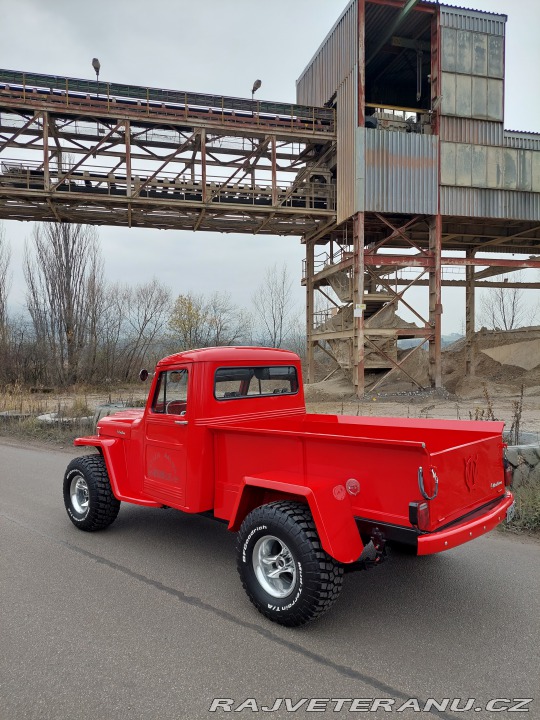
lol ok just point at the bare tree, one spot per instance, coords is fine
(62, 268)
(273, 306)
(506, 308)
(228, 325)
(5, 282)
(112, 330)
(148, 307)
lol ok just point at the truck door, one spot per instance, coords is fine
(165, 439)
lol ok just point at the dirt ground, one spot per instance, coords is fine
(431, 406)
(506, 366)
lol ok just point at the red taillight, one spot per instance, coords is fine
(419, 515)
(508, 473)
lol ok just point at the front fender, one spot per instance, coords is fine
(113, 451)
(329, 506)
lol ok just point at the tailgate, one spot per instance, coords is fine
(460, 463)
(466, 475)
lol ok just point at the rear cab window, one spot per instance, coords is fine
(236, 383)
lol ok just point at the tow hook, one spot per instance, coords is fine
(374, 552)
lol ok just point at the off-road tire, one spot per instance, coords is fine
(316, 578)
(102, 507)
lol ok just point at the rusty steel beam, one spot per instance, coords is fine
(435, 302)
(22, 130)
(401, 231)
(310, 309)
(428, 261)
(483, 284)
(167, 160)
(398, 366)
(493, 262)
(469, 315)
(358, 339)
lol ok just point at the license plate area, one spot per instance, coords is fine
(511, 512)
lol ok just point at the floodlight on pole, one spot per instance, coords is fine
(97, 67)
(256, 85)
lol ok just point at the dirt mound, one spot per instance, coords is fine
(502, 360)
(524, 354)
(338, 387)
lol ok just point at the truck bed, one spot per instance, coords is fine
(460, 462)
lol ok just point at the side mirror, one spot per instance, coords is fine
(143, 375)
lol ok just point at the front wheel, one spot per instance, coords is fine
(284, 570)
(88, 496)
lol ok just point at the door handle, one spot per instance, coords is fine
(180, 422)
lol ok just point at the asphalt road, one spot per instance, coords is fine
(148, 620)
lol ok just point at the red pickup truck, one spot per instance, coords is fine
(225, 432)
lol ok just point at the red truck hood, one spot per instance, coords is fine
(120, 423)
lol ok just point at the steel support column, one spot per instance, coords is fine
(469, 314)
(358, 352)
(310, 308)
(46, 169)
(435, 304)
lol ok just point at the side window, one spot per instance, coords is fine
(171, 393)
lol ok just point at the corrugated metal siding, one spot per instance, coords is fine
(332, 62)
(401, 172)
(466, 130)
(521, 140)
(483, 203)
(473, 20)
(346, 146)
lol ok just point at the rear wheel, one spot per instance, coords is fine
(88, 497)
(284, 570)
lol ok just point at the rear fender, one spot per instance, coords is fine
(329, 506)
(113, 451)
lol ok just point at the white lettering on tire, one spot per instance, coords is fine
(260, 527)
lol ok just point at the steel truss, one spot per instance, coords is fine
(365, 268)
(148, 158)
(83, 152)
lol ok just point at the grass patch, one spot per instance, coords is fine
(55, 433)
(527, 517)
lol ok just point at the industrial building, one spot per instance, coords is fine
(393, 166)
(427, 178)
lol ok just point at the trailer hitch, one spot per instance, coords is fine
(374, 553)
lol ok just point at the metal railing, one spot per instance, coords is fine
(105, 96)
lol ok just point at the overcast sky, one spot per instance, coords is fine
(214, 46)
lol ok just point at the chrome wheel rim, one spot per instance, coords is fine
(274, 566)
(80, 497)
